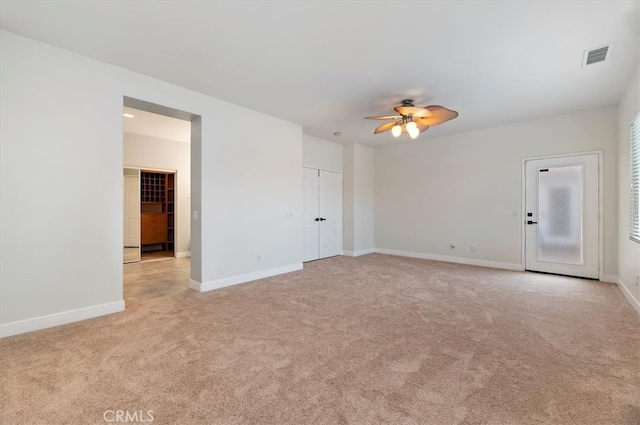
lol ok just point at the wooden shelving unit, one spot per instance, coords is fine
(157, 207)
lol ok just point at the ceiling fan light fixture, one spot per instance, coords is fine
(412, 129)
(413, 120)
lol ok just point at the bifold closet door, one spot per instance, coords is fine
(311, 213)
(322, 217)
(330, 231)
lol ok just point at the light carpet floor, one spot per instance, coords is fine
(368, 340)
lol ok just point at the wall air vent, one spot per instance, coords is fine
(595, 55)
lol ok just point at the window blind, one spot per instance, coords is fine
(634, 181)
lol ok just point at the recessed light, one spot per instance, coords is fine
(128, 115)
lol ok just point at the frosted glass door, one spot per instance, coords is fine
(562, 215)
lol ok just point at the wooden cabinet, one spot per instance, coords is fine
(157, 211)
(154, 228)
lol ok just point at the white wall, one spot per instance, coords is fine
(628, 251)
(363, 198)
(358, 199)
(61, 192)
(321, 154)
(149, 152)
(464, 188)
(348, 200)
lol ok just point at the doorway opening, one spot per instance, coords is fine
(562, 213)
(151, 227)
(158, 146)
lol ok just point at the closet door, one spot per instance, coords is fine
(330, 229)
(311, 220)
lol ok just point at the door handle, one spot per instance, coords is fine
(322, 219)
(317, 219)
(531, 222)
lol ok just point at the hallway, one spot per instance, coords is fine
(152, 279)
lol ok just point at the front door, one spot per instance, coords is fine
(562, 215)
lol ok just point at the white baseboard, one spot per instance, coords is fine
(457, 260)
(183, 254)
(43, 322)
(358, 253)
(609, 278)
(234, 280)
(629, 296)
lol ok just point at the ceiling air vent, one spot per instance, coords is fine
(595, 55)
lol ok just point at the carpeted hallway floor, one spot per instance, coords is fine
(374, 339)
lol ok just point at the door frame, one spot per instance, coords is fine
(195, 171)
(175, 196)
(523, 207)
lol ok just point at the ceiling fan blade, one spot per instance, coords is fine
(443, 114)
(384, 127)
(435, 120)
(414, 111)
(421, 125)
(383, 117)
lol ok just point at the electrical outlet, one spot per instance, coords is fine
(259, 258)
(195, 215)
(472, 248)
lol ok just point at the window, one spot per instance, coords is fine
(634, 181)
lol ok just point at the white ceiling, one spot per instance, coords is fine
(325, 65)
(154, 125)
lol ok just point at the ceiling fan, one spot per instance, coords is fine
(412, 119)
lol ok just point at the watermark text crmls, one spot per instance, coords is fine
(130, 416)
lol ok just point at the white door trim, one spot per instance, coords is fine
(162, 170)
(600, 154)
